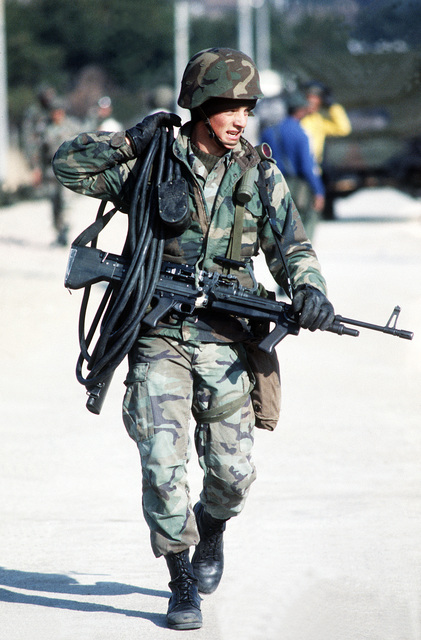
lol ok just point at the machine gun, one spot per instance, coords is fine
(182, 290)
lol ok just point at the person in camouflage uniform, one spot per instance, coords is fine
(197, 365)
(45, 126)
(58, 128)
(34, 124)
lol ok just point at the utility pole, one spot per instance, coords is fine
(245, 26)
(4, 137)
(181, 43)
(263, 59)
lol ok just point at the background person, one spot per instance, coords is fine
(325, 118)
(291, 150)
(58, 128)
(35, 122)
(101, 117)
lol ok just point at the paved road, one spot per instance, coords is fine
(328, 546)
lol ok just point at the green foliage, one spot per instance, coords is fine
(124, 36)
(52, 40)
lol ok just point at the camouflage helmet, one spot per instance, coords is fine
(219, 73)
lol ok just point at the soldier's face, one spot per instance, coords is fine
(229, 125)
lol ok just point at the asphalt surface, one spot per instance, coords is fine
(328, 546)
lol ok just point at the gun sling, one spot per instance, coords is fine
(263, 367)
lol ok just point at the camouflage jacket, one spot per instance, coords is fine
(101, 165)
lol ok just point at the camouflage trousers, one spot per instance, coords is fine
(167, 381)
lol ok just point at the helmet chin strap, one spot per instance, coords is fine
(211, 132)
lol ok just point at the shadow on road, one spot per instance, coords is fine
(63, 584)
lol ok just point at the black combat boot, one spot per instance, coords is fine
(208, 558)
(184, 605)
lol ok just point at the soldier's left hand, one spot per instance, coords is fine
(314, 309)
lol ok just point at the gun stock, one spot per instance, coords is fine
(87, 265)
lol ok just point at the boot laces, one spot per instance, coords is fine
(183, 584)
(184, 589)
(210, 546)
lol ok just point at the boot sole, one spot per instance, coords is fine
(181, 626)
(185, 627)
(207, 591)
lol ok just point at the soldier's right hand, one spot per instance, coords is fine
(142, 133)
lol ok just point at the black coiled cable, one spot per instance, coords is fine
(123, 306)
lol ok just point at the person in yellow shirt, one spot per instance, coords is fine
(325, 118)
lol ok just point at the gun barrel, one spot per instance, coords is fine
(341, 330)
(393, 331)
(402, 333)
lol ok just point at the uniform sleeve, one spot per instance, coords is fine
(337, 123)
(301, 259)
(95, 164)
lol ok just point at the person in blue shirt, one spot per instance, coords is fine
(291, 150)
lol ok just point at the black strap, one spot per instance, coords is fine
(91, 232)
(234, 247)
(263, 186)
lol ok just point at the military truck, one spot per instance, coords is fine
(373, 155)
(380, 92)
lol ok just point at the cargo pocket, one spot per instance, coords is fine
(229, 413)
(223, 411)
(137, 410)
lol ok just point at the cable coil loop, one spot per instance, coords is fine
(123, 306)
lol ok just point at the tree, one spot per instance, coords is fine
(52, 40)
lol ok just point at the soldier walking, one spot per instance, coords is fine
(198, 364)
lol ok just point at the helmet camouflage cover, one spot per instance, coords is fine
(219, 73)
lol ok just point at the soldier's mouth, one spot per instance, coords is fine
(234, 134)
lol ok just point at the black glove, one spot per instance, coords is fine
(316, 312)
(142, 133)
